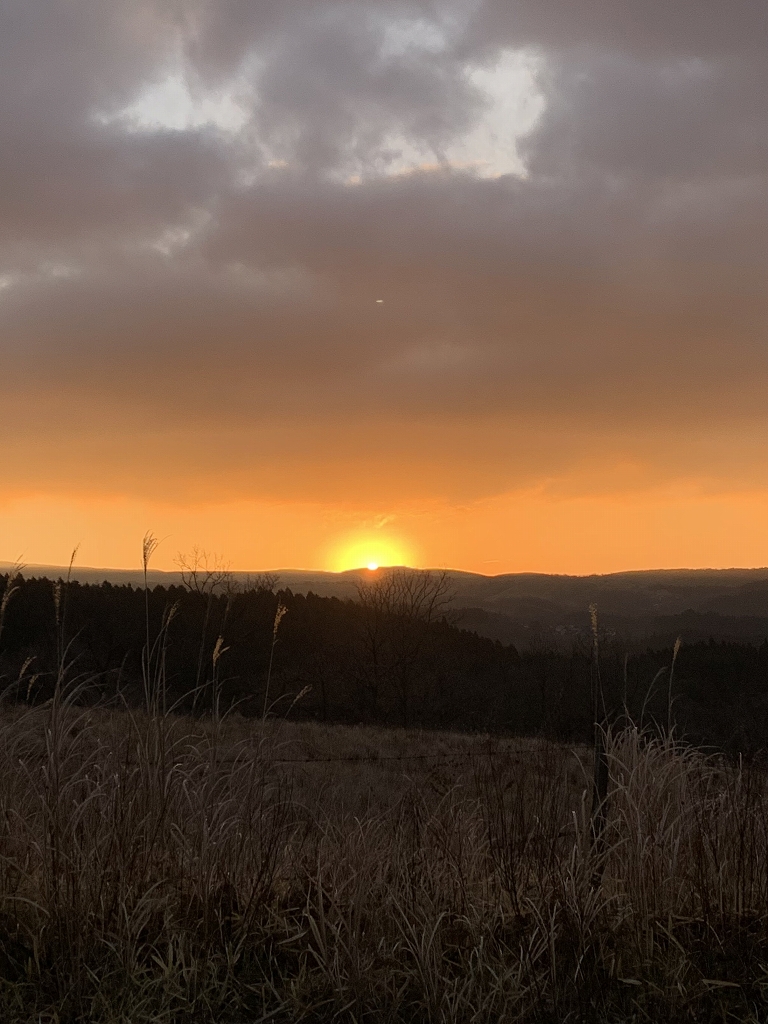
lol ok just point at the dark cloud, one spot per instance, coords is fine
(647, 28)
(215, 273)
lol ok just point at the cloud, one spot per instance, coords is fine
(564, 209)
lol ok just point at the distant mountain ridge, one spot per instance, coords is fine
(509, 607)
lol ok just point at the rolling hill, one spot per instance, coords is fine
(518, 607)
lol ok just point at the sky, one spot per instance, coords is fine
(479, 284)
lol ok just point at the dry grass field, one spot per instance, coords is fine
(170, 870)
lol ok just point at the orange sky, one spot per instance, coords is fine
(510, 533)
(467, 284)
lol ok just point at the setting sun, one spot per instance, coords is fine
(520, 405)
(370, 550)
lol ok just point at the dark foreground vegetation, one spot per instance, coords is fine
(176, 870)
(392, 657)
(185, 835)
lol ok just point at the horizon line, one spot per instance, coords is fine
(64, 568)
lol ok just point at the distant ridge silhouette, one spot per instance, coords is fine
(547, 600)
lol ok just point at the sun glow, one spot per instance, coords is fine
(370, 550)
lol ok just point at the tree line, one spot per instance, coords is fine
(393, 656)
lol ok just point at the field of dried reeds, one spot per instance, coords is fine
(155, 868)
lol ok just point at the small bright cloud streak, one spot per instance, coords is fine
(170, 105)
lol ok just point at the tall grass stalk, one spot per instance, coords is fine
(11, 589)
(601, 771)
(279, 613)
(148, 548)
(675, 652)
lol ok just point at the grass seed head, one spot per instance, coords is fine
(219, 649)
(148, 548)
(281, 610)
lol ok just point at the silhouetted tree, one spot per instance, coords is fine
(398, 607)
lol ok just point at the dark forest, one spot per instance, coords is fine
(392, 657)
